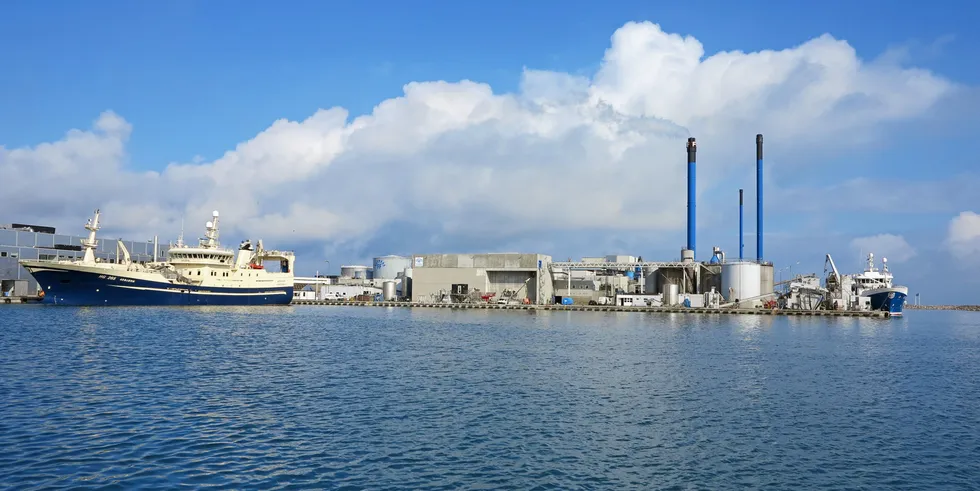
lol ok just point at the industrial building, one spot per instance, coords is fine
(24, 241)
(506, 277)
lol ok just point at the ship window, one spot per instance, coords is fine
(199, 272)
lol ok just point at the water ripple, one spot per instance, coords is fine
(306, 397)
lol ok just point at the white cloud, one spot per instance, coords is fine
(963, 237)
(565, 152)
(893, 247)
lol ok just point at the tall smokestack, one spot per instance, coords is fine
(692, 149)
(758, 205)
(741, 234)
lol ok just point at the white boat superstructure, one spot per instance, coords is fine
(871, 278)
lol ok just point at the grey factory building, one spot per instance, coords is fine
(502, 277)
(24, 241)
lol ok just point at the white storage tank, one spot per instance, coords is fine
(359, 272)
(670, 294)
(741, 280)
(388, 267)
(388, 291)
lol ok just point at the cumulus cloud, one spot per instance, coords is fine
(893, 247)
(563, 153)
(963, 237)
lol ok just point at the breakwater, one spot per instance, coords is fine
(970, 308)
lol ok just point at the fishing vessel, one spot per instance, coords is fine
(878, 287)
(205, 274)
(871, 289)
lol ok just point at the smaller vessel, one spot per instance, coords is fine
(871, 289)
(878, 287)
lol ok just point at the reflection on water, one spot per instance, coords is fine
(314, 397)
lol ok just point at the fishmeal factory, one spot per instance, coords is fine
(527, 278)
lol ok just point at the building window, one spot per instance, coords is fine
(3, 254)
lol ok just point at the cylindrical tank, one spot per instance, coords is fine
(630, 274)
(407, 283)
(359, 272)
(741, 280)
(670, 293)
(767, 279)
(388, 267)
(388, 290)
(650, 280)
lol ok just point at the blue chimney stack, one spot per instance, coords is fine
(692, 149)
(758, 205)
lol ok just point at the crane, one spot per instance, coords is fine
(836, 276)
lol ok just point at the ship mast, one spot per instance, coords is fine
(212, 232)
(89, 244)
(180, 238)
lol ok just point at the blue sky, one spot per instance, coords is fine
(196, 79)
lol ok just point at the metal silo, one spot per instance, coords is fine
(388, 291)
(741, 280)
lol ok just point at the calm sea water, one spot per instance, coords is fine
(354, 398)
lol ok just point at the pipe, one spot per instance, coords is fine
(741, 234)
(692, 148)
(758, 205)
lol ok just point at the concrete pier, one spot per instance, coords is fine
(602, 308)
(12, 300)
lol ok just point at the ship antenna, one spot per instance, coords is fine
(180, 238)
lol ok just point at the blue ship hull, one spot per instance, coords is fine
(891, 301)
(67, 287)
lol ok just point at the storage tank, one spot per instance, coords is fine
(650, 280)
(359, 272)
(388, 290)
(407, 283)
(670, 293)
(767, 278)
(388, 267)
(630, 274)
(741, 280)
